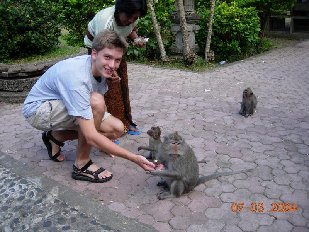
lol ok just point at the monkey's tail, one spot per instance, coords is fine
(203, 179)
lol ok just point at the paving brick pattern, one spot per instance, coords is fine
(26, 207)
(203, 107)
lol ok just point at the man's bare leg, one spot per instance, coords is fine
(83, 149)
(61, 136)
(112, 128)
(83, 156)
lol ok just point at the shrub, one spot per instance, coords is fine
(75, 16)
(266, 8)
(235, 29)
(163, 10)
(27, 27)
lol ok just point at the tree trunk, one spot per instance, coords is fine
(189, 56)
(208, 40)
(264, 20)
(157, 30)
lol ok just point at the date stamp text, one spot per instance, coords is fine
(261, 207)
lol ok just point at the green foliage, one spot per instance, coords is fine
(235, 29)
(76, 14)
(264, 45)
(267, 6)
(27, 27)
(163, 10)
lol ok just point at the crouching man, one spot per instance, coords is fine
(67, 103)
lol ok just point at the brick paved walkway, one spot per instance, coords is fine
(203, 107)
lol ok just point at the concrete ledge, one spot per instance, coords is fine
(16, 80)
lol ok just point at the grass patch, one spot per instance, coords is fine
(279, 42)
(61, 51)
(57, 53)
(176, 62)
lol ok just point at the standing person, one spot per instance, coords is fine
(121, 18)
(67, 102)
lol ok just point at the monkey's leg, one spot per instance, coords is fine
(250, 109)
(242, 109)
(164, 195)
(177, 189)
(246, 110)
(163, 184)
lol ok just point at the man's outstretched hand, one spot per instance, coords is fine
(144, 163)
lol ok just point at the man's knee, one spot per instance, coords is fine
(118, 128)
(97, 102)
(113, 127)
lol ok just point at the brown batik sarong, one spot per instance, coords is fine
(117, 97)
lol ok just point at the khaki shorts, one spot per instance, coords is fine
(53, 115)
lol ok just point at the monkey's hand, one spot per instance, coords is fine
(160, 167)
(166, 173)
(144, 163)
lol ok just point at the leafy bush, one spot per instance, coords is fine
(163, 10)
(76, 14)
(266, 8)
(235, 29)
(27, 27)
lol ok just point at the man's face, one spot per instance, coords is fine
(106, 61)
(126, 20)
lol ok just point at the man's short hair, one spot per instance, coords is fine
(109, 39)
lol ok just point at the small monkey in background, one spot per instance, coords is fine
(181, 173)
(154, 143)
(248, 104)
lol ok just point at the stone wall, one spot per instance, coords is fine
(16, 80)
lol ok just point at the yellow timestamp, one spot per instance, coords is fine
(260, 207)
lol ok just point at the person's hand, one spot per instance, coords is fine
(144, 163)
(140, 42)
(114, 78)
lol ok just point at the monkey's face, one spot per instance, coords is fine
(150, 133)
(154, 132)
(174, 145)
(247, 93)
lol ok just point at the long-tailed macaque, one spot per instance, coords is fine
(181, 173)
(248, 104)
